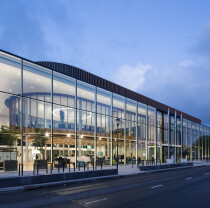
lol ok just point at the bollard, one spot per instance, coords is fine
(19, 169)
(101, 165)
(22, 169)
(69, 168)
(37, 167)
(74, 166)
(46, 168)
(51, 167)
(33, 169)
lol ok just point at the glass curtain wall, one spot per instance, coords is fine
(46, 116)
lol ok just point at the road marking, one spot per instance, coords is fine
(188, 178)
(156, 186)
(206, 174)
(96, 201)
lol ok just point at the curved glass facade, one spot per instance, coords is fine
(45, 115)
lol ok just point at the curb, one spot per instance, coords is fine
(85, 180)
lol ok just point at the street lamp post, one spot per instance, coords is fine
(117, 122)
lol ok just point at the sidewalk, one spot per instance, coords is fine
(124, 171)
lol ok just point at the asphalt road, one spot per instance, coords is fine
(177, 188)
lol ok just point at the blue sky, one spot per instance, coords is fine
(163, 45)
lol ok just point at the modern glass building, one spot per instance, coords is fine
(50, 110)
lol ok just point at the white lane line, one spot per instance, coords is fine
(188, 178)
(206, 174)
(157, 186)
(96, 201)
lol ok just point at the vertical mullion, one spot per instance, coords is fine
(125, 150)
(52, 118)
(111, 130)
(169, 129)
(155, 126)
(181, 135)
(136, 132)
(21, 121)
(175, 126)
(75, 126)
(147, 126)
(95, 129)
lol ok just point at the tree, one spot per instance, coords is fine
(7, 137)
(40, 140)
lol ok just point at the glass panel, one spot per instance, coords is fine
(36, 82)
(103, 102)
(85, 97)
(10, 72)
(63, 90)
(118, 106)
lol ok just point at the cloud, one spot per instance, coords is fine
(177, 86)
(125, 75)
(186, 63)
(40, 30)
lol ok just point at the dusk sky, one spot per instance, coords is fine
(158, 48)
